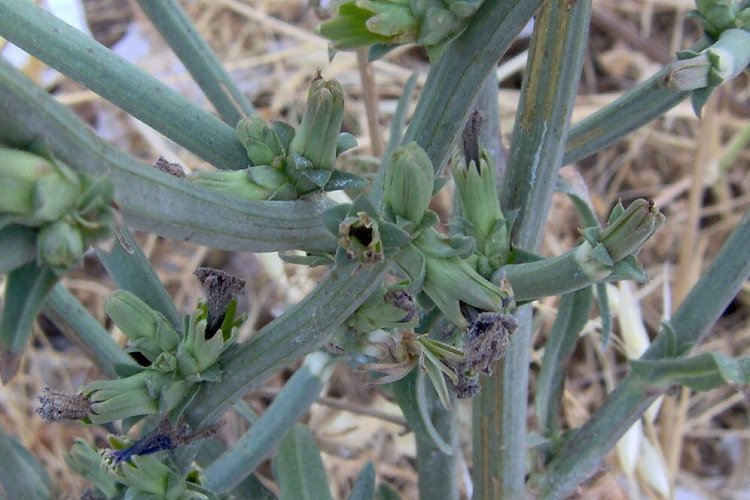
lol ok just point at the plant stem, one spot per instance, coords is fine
(455, 81)
(555, 60)
(584, 449)
(82, 58)
(199, 59)
(300, 330)
(152, 200)
(78, 325)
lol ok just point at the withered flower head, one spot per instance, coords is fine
(58, 406)
(486, 342)
(220, 289)
(168, 167)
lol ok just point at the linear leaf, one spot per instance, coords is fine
(299, 468)
(130, 270)
(78, 325)
(702, 373)
(572, 314)
(21, 475)
(232, 467)
(364, 487)
(19, 246)
(25, 292)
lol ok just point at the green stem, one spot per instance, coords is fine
(551, 276)
(300, 330)
(230, 469)
(82, 58)
(199, 59)
(555, 60)
(152, 200)
(583, 451)
(455, 81)
(69, 315)
(640, 105)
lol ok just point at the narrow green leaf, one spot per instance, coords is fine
(130, 270)
(702, 372)
(386, 492)
(19, 247)
(572, 314)
(25, 292)
(78, 325)
(21, 475)
(604, 312)
(53, 41)
(229, 470)
(405, 392)
(637, 107)
(364, 487)
(299, 468)
(152, 200)
(199, 59)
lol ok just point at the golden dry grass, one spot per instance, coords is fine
(271, 49)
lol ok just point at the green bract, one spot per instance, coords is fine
(701, 72)
(479, 212)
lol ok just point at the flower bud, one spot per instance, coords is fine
(125, 397)
(409, 180)
(480, 212)
(318, 133)
(629, 229)
(720, 15)
(148, 330)
(34, 189)
(59, 245)
(260, 141)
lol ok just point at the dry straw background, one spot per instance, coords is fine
(695, 170)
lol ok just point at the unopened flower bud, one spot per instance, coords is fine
(318, 133)
(148, 330)
(409, 180)
(35, 189)
(260, 141)
(59, 245)
(629, 229)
